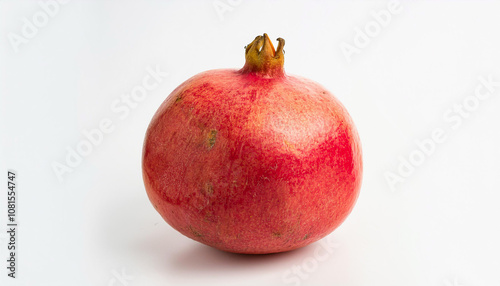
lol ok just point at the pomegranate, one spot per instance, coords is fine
(252, 160)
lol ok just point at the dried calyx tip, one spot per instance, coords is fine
(262, 58)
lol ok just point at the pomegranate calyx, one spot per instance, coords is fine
(262, 59)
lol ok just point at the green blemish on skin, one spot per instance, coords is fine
(277, 234)
(211, 138)
(208, 189)
(306, 236)
(197, 234)
(207, 217)
(179, 98)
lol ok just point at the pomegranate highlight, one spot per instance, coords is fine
(252, 160)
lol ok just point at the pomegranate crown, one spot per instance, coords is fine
(262, 59)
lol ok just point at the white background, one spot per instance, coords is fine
(438, 226)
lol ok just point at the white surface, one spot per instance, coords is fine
(438, 227)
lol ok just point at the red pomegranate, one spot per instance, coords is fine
(252, 160)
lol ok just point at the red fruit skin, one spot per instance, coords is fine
(254, 165)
